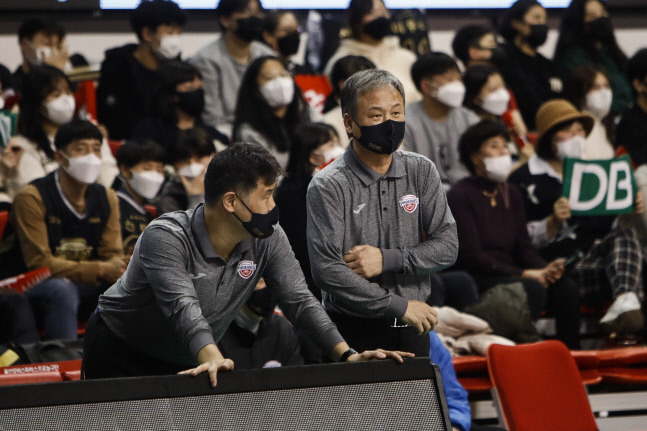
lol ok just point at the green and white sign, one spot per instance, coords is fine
(599, 187)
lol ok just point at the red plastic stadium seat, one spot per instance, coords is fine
(622, 357)
(631, 376)
(585, 359)
(114, 146)
(470, 364)
(475, 384)
(27, 378)
(590, 377)
(539, 387)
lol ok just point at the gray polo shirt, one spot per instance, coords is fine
(404, 213)
(178, 295)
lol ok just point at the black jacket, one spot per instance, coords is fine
(124, 92)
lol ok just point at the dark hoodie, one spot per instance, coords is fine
(124, 92)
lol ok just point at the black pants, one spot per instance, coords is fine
(370, 334)
(560, 299)
(105, 355)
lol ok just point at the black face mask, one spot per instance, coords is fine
(498, 56)
(383, 138)
(262, 303)
(261, 225)
(249, 29)
(289, 44)
(538, 35)
(379, 28)
(191, 102)
(601, 30)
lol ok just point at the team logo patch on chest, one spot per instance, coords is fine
(409, 203)
(246, 268)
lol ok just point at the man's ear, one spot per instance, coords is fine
(59, 157)
(637, 83)
(148, 34)
(348, 124)
(228, 200)
(125, 172)
(426, 87)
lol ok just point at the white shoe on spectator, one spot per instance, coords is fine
(624, 315)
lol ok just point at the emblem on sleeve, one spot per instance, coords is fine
(409, 203)
(246, 268)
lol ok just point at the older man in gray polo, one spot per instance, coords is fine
(379, 224)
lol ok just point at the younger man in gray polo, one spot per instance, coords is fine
(374, 237)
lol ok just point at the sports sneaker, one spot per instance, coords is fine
(624, 316)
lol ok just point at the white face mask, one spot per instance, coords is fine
(497, 168)
(332, 154)
(169, 47)
(278, 92)
(146, 184)
(496, 103)
(572, 147)
(598, 102)
(192, 170)
(61, 109)
(85, 169)
(41, 53)
(451, 94)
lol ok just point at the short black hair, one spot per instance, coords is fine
(238, 168)
(153, 13)
(515, 12)
(434, 63)
(474, 78)
(471, 141)
(74, 131)
(343, 69)
(637, 66)
(30, 27)
(135, 151)
(227, 8)
(191, 142)
(468, 37)
(307, 138)
(170, 74)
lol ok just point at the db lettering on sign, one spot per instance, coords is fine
(599, 187)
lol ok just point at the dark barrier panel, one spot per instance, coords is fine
(376, 395)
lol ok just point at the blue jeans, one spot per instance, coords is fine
(59, 304)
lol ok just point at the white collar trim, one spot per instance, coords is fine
(67, 203)
(131, 201)
(539, 166)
